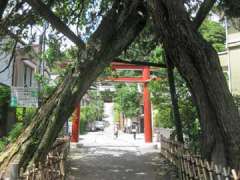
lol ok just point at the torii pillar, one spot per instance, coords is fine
(147, 106)
(75, 123)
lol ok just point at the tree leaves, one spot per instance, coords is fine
(214, 33)
(127, 100)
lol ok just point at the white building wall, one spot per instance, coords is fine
(230, 62)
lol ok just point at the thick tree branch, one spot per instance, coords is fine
(50, 3)
(232, 8)
(19, 20)
(11, 58)
(55, 21)
(5, 32)
(32, 53)
(3, 5)
(203, 11)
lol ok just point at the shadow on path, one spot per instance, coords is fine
(112, 163)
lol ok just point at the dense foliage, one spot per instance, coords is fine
(214, 33)
(92, 110)
(127, 100)
(4, 94)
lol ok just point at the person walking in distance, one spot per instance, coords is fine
(134, 130)
(116, 131)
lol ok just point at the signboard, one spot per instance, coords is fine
(24, 97)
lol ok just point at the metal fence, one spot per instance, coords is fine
(193, 167)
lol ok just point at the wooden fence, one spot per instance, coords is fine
(191, 167)
(54, 165)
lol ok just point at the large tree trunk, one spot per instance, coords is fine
(117, 30)
(198, 63)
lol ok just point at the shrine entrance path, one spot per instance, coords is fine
(100, 156)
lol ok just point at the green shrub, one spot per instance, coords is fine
(237, 100)
(83, 125)
(25, 117)
(4, 93)
(15, 132)
(12, 135)
(19, 114)
(3, 143)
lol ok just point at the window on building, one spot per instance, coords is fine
(27, 76)
(28, 69)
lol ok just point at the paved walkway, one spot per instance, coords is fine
(99, 156)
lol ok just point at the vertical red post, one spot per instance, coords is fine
(147, 107)
(75, 123)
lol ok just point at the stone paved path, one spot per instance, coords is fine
(98, 156)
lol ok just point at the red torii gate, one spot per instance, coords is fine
(146, 98)
(146, 95)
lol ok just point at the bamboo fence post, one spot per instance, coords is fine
(186, 167)
(235, 175)
(210, 170)
(218, 172)
(192, 166)
(226, 173)
(198, 169)
(178, 163)
(203, 170)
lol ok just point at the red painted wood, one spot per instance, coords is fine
(75, 124)
(123, 66)
(127, 79)
(147, 107)
(130, 79)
